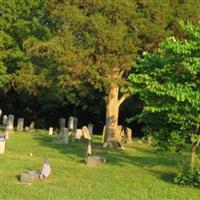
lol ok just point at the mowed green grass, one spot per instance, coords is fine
(137, 173)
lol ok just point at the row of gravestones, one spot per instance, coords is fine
(8, 124)
(71, 130)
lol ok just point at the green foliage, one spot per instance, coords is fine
(188, 177)
(168, 83)
(19, 20)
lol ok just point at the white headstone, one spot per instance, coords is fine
(20, 124)
(90, 128)
(50, 130)
(10, 124)
(79, 133)
(32, 127)
(0, 113)
(72, 124)
(5, 120)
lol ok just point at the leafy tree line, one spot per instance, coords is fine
(71, 52)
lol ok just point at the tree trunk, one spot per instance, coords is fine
(112, 113)
(193, 156)
(112, 132)
(194, 147)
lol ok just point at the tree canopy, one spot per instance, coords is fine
(168, 83)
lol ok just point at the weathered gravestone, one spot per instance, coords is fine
(79, 134)
(30, 176)
(10, 124)
(50, 130)
(72, 124)
(128, 133)
(65, 136)
(26, 128)
(90, 128)
(86, 133)
(62, 123)
(34, 176)
(2, 144)
(20, 124)
(91, 161)
(32, 127)
(62, 138)
(5, 121)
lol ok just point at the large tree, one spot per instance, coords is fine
(169, 84)
(95, 43)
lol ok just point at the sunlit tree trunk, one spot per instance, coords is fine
(112, 113)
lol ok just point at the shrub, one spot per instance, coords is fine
(188, 177)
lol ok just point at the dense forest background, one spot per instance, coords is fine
(35, 85)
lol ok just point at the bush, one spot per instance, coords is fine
(188, 177)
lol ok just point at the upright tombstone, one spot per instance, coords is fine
(65, 136)
(0, 113)
(5, 121)
(86, 133)
(62, 123)
(32, 127)
(50, 130)
(128, 133)
(79, 134)
(90, 128)
(20, 124)
(103, 135)
(72, 124)
(10, 124)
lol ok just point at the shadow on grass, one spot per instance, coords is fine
(18, 177)
(76, 151)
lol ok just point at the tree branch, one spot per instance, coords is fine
(122, 99)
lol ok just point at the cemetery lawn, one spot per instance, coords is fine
(137, 173)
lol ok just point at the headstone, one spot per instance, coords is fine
(50, 130)
(20, 124)
(30, 176)
(32, 127)
(46, 169)
(79, 134)
(5, 121)
(72, 124)
(26, 128)
(65, 136)
(10, 124)
(92, 161)
(62, 138)
(0, 113)
(2, 145)
(90, 128)
(62, 123)
(86, 133)
(128, 132)
(103, 135)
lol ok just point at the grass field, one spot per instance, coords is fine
(138, 173)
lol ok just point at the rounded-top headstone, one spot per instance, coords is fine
(86, 132)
